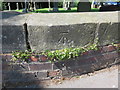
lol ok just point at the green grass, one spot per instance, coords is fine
(19, 10)
(95, 10)
(15, 10)
(61, 10)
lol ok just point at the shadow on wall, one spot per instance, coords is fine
(8, 14)
(12, 78)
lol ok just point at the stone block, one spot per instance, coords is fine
(108, 48)
(40, 66)
(13, 38)
(64, 64)
(13, 75)
(108, 33)
(20, 67)
(11, 66)
(41, 75)
(73, 71)
(54, 73)
(61, 36)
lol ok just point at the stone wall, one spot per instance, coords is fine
(58, 30)
(13, 38)
(32, 74)
(55, 31)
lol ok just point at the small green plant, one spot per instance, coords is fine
(56, 55)
(20, 55)
(68, 53)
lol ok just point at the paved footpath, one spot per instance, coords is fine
(106, 78)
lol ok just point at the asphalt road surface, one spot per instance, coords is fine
(106, 78)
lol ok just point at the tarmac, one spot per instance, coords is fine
(105, 78)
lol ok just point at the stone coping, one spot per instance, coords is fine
(52, 19)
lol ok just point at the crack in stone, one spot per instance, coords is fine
(96, 33)
(26, 37)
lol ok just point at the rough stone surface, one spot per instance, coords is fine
(41, 75)
(13, 38)
(54, 19)
(59, 31)
(78, 30)
(40, 66)
(15, 75)
(58, 37)
(108, 33)
(13, 34)
(15, 67)
(13, 18)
